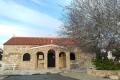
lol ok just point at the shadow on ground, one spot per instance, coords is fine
(38, 77)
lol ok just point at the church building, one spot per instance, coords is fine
(34, 53)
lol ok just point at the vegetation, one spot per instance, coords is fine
(106, 64)
(1, 51)
(94, 24)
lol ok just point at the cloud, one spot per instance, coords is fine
(39, 2)
(18, 12)
(64, 2)
(9, 30)
(42, 24)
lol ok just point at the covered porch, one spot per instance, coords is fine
(51, 57)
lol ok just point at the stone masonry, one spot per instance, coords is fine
(14, 54)
(40, 57)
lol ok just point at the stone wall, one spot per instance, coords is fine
(84, 59)
(40, 64)
(13, 54)
(113, 74)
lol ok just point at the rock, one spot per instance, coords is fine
(119, 74)
(114, 77)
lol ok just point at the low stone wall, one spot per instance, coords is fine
(112, 74)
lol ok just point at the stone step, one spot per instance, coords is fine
(74, 64)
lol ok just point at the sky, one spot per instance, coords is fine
(30, 18)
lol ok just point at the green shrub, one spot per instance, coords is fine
(105, 64)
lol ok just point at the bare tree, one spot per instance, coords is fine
(1, 51)
(94, 24)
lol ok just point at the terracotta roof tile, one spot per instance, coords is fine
(37, 41)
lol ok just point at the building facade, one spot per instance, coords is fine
(34, 53)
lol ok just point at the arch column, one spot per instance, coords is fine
(45, 60)
(33, 59)
(57, 60)
(68, 60)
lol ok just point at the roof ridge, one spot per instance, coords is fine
(39, 37)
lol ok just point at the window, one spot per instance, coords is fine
(40, 55)
(26, 57)
(72, 56)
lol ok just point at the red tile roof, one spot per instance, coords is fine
(37, 41)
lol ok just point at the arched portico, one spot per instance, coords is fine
(52, 56)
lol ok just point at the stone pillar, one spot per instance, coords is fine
(68, 60)
(35, 60)
(45, 60)
(57, 60)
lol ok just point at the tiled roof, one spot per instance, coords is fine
(37, 41)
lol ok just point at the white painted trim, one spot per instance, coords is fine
(48, 46)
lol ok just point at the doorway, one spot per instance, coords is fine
(51, 58)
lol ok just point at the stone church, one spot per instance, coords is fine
(34, 53)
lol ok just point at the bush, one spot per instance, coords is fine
(105, 64)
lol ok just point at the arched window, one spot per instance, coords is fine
(72, 56)
(26, 57)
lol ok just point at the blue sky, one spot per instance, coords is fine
(32, 18)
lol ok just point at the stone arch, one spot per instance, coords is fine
(72, 56)
(51, 58)
(40, 58)
(26, 57)
(62, 59)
